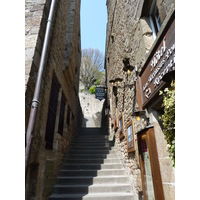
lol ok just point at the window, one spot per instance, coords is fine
(52, 114)
(154, 18)
(68, 115)
(61, 117)
(112, 38)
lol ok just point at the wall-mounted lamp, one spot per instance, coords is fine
(127, 67)
(118, 80)
(111, 81)
(138, 113)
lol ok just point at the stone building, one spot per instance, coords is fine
(57, 112)
(140, 50)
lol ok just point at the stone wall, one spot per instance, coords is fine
(129, 36)
(44, 164)
(92, 110)
(36, 14)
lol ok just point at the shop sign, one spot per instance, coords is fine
(100, 93)
(162, 62)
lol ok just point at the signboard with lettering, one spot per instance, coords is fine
(100, 93)
(162, 62)
(130, 136)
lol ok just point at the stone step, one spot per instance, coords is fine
(99, 136)
(92, 166)
(92, 170)
(94, 196)
(92, 151)
(92, 130)
(88, 155)
(103, 172)
(92, 136)
(90, 140)
(79, 180)
(91, 161)
(92, 148)
(96, 188)
(86, 143)
(102, 145)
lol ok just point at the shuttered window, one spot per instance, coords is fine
(68, 115)
(61, 117)
(50, 126)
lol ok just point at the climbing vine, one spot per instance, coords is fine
(168, 118)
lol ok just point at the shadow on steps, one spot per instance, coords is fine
(92, 170)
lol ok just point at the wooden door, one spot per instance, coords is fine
(150, 170)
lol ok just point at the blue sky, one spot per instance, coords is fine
(93, 24)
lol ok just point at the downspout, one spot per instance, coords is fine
(35, 101)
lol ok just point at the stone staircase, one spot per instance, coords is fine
(92, 170)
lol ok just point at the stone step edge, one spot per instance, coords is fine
(90, 159)
(93, 185)
(89, 164)
(112, 194)
(94, 154)
(86, 170)
(91, 177)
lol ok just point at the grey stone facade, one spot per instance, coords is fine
(129, 36)
(63, 62)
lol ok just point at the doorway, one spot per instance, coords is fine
(150, 170)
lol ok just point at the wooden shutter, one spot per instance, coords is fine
(61, 117)
(68, 115)
(52, 114)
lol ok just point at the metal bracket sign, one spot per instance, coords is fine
(100, 93)
(162, 62)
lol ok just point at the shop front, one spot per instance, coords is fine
(157, 73)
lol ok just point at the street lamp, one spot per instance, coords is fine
(138, 113)
(111, 81)
(118, 80)
(127, 67)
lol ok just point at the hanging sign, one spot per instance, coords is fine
(162, 62)
(100, 93)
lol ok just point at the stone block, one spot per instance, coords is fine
(40, 1)
(169, 191)
(167, 170)
(148, 41)
(37, 7)
(29, 52)
(30, 41)
(33, 21)
(34, 30)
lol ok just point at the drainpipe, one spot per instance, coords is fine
(35, 101)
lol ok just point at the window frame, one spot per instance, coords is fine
(154, 19)
(62, 114)
(52, 112)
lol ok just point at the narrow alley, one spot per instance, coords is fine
(97, 125)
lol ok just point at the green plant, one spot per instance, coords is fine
(168, 118)
(92, 89)
(98, 81)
